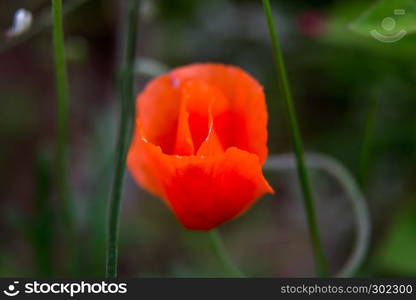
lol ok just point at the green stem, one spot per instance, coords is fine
(62, 111)
(364, 158)
(283, 81)
(222, 254)
(125, 93)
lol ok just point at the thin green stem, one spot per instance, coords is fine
(62, 111)
(283, 81)
(222, 254)
(367, 142)
(125, 94)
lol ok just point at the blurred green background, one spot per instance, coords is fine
(343, 81)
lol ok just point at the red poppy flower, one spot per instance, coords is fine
(200, 141)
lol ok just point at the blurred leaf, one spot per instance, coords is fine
(349, 25)
(387, 18)
(396, 254)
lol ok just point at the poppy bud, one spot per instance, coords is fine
(200, 142)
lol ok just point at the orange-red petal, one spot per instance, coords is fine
(244, 124)
(206, 192)
(202, 191)
(200, 141)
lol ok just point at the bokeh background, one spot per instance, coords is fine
(345, 84)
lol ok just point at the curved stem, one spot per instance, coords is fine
(149, 67)
(126, 91)
(302, 171)
(358, 202)
(62, 111)
(222, 254)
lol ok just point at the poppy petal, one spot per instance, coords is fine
(203, 192)
(157, 108)
(247, 117)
